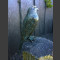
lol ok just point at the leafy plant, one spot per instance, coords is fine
(48, 3)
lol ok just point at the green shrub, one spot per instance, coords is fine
(48, 3)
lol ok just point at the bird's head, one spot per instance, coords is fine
(33, 9)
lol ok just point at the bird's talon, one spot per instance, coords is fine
(31, 38)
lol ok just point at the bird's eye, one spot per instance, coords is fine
(33, 9)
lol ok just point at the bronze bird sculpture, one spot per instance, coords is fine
(29, 24)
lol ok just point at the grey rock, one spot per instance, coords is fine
(39, 47)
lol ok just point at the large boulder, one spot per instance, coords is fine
(39, 47)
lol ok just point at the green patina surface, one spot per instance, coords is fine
(48, 3)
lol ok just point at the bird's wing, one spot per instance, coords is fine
(28, 25)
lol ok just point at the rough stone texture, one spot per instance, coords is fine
(39, 47)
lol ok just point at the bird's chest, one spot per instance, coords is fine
(34, 19)
(32, 25)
